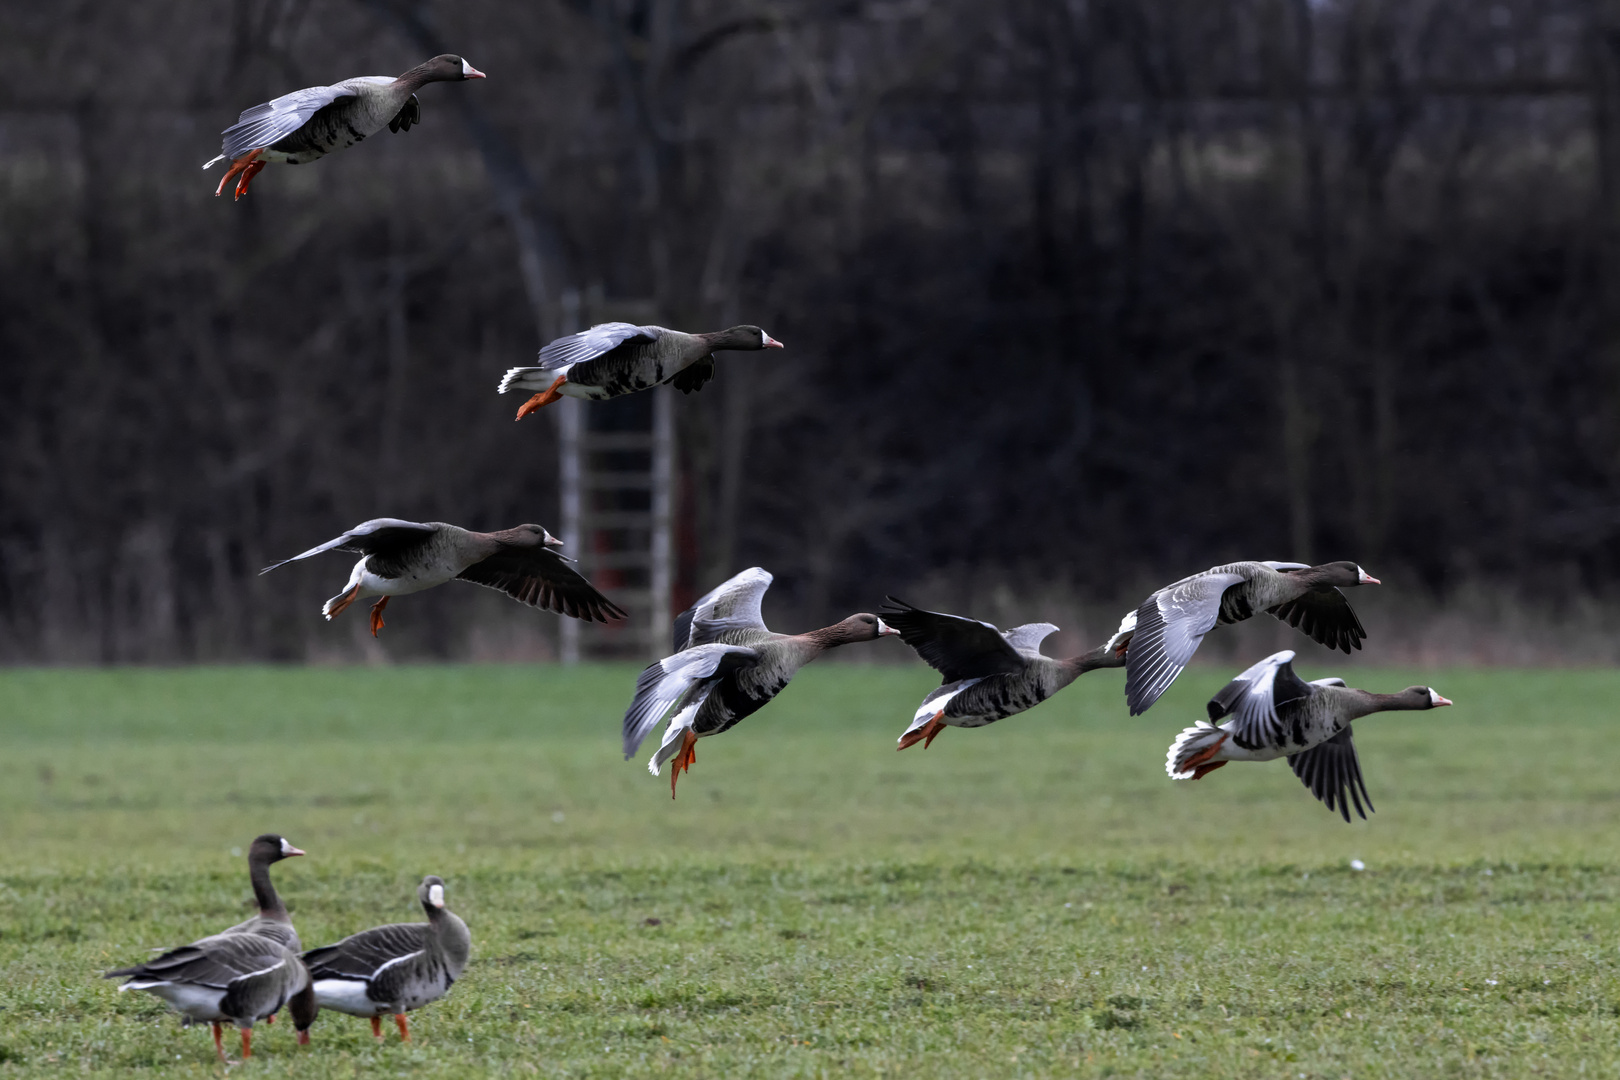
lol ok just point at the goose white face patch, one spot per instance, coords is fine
(436, 895)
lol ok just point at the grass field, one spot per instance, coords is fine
(1032, 899)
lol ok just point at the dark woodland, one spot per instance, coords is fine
(1079, 296)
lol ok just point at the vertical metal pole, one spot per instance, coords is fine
(663, 482)
(570, 414)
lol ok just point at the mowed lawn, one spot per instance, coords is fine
(1035, 898)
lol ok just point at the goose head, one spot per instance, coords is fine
(1340, 574)
(744, 339)
(862, 627)
(431, 893)
(271, 848)
(1424, 697)
(529, 536)
(449, 67)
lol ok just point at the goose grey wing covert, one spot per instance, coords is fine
(733, 606)
(957, 647)
(676, 680)
(599, 340)
(360, 956)
(269, 123)
(1028, 637)
(379, 536)
(542, 578)
(1257, 698)
(1332, 772)
(1170, 624)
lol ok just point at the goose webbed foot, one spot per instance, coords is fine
(376, 615)
(685, 758)
(341, 604)
(244, 168)
(924, 734)
(540, 401)
(404, 1027)
(376, 1028)
(1202, 770)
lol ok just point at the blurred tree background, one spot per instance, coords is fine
(1079, 296)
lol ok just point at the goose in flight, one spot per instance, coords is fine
(726, 666)
(989, 674)
(1172, 622)
(1268, 712)
(399, 557)
(308, 124)
(617, 358)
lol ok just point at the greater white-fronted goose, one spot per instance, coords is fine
(989, 674)
(1172, 622)
(726, 666)
(617, 358)
(1273, 714)
(240, 975)
(311, 123)
(396, 968)
(400, 557)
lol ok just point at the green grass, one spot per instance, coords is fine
(1036, 898)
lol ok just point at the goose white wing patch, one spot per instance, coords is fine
(1170, 625)
(264, 125)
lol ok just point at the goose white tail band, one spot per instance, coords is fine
(1203, 738)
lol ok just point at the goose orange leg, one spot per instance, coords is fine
(404, 1027)
(685, 758)
(376, 615)
(245, 167)
(219, 1045)
(540, 401)
(376, 1027)
(247, 1043)
(924, 734)
(1200, 763)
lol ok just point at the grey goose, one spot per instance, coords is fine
(1172, 622)
(1268, 712)
(396, 968)
(400, 557)
(617, 358)
(240, 975)
(310, 123)
(727, 665)
(989, 674)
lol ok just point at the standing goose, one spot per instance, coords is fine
(1274, 714)
(240, 975)
(311, 123)
(395, 968)
(617, 358)
(400, 557)
(1171, 623)
(725, 667)
(989, 674)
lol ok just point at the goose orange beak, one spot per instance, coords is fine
(772, 343)
(1439, 701)
(289, 852)
(470, 72)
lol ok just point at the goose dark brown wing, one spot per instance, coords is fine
(1261, 701)
(217, 961)
(1333, 773)
(957, 647)
(359, 956)
(1325, 615)
(541, 578)
(692, 378)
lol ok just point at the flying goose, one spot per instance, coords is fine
(726, 666)
(395, 968)
(311, 123)
(240, 975)
(989, 674)
(400, 557)
(1171, 623)
(1274, 714)
(617, 358)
